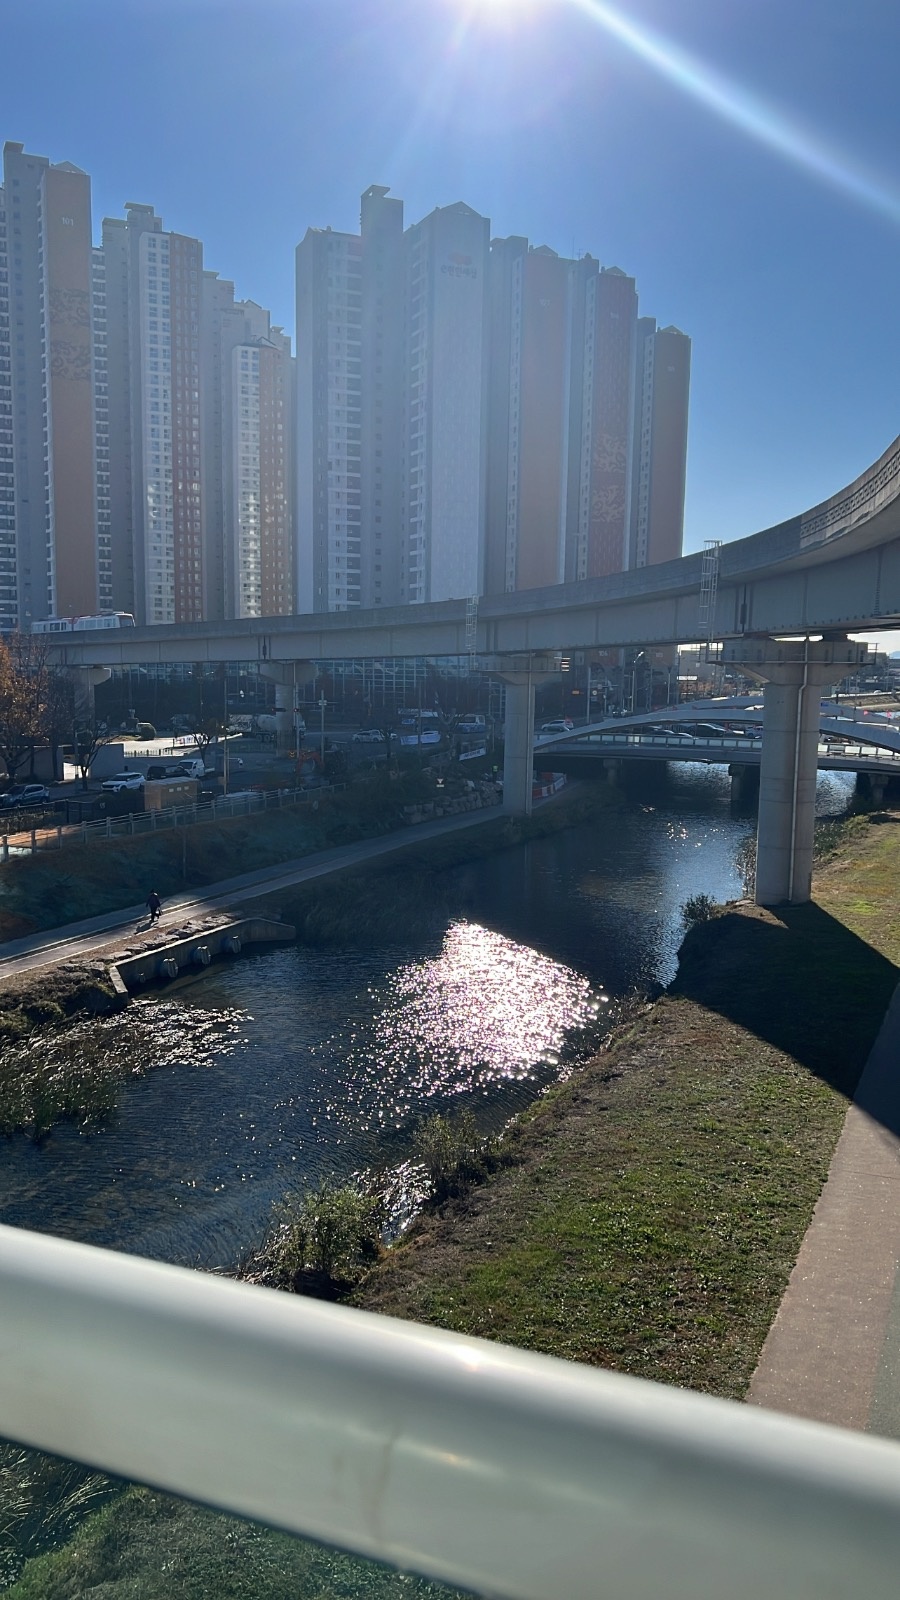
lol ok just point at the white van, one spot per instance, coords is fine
(192, 767)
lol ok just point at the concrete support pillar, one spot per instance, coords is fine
(744, 783)
(287, 676)
(794, 672)
(787, 787)
(284, 717)
(518, 744)
(85, 680)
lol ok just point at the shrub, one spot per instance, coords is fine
(699, 908)
(146, 730)
(451, 1152)
(331, 1233)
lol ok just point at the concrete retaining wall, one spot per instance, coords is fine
(168, 961)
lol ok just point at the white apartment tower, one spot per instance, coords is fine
(247, 402)
(328, 535)
(261, 545)
(9, 586)
(153, 305)
(445, 406)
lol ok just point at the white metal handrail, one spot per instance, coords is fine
(507, 1473)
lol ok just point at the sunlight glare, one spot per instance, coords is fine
(743, 110)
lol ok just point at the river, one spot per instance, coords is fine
(295, 1063)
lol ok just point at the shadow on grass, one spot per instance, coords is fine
(803, 982)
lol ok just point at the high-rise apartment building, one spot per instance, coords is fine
(329, 325)
(607, 398)
(260, 542)
(469, 414)
(443, 444)
(49, 553)
(9, 564)
(153, 307)
(391, 408)
(381, 395)
(247, 397)
(528, 416)
(662, 388)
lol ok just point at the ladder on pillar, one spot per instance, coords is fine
(709, 585)
(471, 630)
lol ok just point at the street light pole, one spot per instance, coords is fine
(322, 704)
(225, 735)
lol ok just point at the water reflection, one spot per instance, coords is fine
(483, 1011)
(296, 1063)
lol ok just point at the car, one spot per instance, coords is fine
(559, 725)
(673, 735)
(123, 780)
(25, 794)
(369, 736)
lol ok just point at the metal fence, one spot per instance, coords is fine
(507, 1473)
(59, 836)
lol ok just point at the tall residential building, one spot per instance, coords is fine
(329, 316)
(528, 416)
(468, 414)
(444, 455)
(381, 395)
(103, 505)
(247, 397)
(260, 536)
(153, 305)
(9, 565)
(662, 388)
(606, 362)
(49, 547)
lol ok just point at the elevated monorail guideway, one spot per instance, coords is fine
(784, 603)
(835, 568)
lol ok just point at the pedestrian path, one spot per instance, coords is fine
(833, 1351)
(79, 940)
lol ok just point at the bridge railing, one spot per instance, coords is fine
(497, 1470)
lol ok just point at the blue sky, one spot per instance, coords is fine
(738, 158)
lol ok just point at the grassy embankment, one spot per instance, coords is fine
(655, 1203)
(651, 1208)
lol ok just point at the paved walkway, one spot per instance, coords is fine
(833, 1351)
(80, 940)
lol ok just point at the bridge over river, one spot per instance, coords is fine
(854, 741)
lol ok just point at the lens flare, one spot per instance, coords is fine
(743, 110)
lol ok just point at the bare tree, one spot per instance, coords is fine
(88, 739)
(23, 698)
(59, 713)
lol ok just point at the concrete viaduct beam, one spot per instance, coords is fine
(794, 673)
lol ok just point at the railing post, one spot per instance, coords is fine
(58, 837)
(6, 847)
(109, 827)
